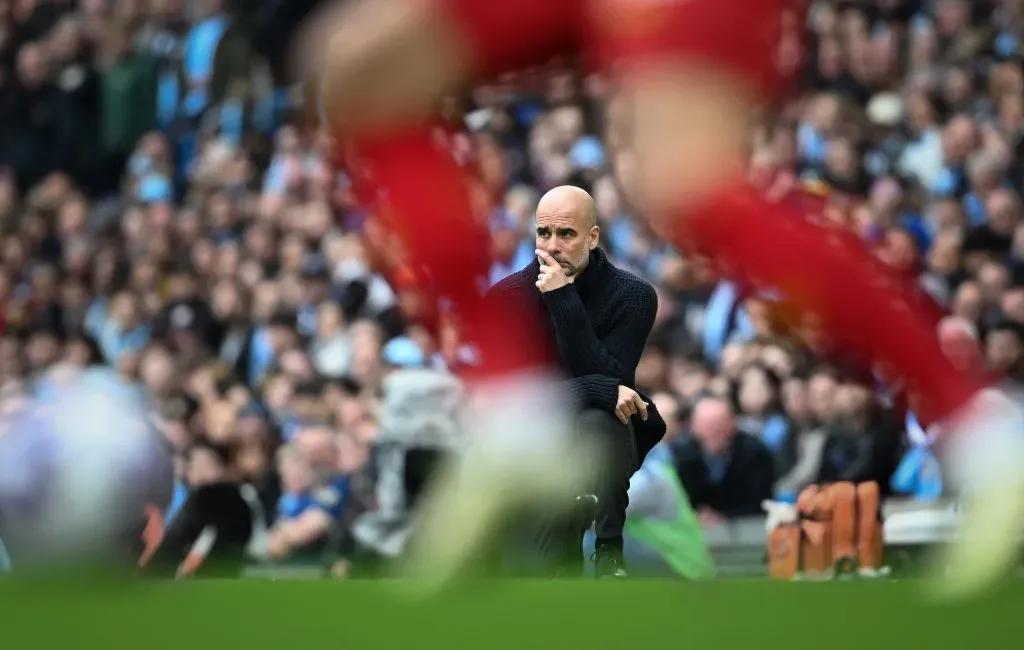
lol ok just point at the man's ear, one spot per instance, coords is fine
(595, 237)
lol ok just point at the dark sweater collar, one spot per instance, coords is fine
(595, 274)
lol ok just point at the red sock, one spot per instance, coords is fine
(427, 204)
(827, 273)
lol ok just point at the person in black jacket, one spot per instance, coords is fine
(211, 531)
(599, 318)
(862, 445)
(726, 473)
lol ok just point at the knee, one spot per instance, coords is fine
(594, 422)
(868, 492)
(614, 437)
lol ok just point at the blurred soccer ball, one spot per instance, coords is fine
(79, 462)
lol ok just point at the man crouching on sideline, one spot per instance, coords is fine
(599, 319)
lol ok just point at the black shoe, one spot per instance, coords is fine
(581, 518)
(583, 512)
(609, 563)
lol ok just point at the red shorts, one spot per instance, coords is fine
(751, 39)
(508, 35)
(758, 40)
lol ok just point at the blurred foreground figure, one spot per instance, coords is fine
(695, 72)
(81, 471)
(520, 449)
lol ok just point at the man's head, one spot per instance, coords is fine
(567, 227)
(967, 302)
(318, 445)
(713, 424)
(297, 474)
(993, 279)
(853, 402)
(959, 340)
(822, 393)
(158, 371)
(1004, 346)
(32, 65)
(796, 400)
(1012, 304)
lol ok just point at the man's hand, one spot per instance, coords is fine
(552, 275)
(629, 404)
(278, 547)
(709, 517)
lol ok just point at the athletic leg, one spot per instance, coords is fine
(386, 62)
(693, 102)
(519, 445)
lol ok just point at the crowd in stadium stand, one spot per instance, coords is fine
(166, 210)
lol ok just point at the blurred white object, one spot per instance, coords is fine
(985, 454)
(78, 464)
(522, 450)
(420, 411)
(924, 527)
(779, 514)
(478, 119)
(885, 109)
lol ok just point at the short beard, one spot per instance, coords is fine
(574, 269)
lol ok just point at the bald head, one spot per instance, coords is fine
(569, 200)
(955, 327)
(713, 424)
(959, 340)
(567, 227)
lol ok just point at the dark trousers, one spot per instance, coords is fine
(618, 444)
(541, 543)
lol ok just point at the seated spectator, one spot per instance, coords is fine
(856, 445)
(726, 472)
(213, 526)
(808, 439)
(959, 339)
(308, 509)
(118, 330)
(919, 474)
(758, 399)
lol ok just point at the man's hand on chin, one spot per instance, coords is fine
(552, 276)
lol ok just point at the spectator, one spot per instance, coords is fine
(40, 125)
(854, 449)
(809, 439)
(200, 50)
(128, 102)
(759, 400)
(213, 526)
(158, 215)
(1004, 350)
(310, 505)
(726, 473)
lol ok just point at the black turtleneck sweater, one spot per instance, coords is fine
(599, 326)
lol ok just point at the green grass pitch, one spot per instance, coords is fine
(648, 615)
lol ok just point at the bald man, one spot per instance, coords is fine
(599, 318)
(726, 473)
(960, 343)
